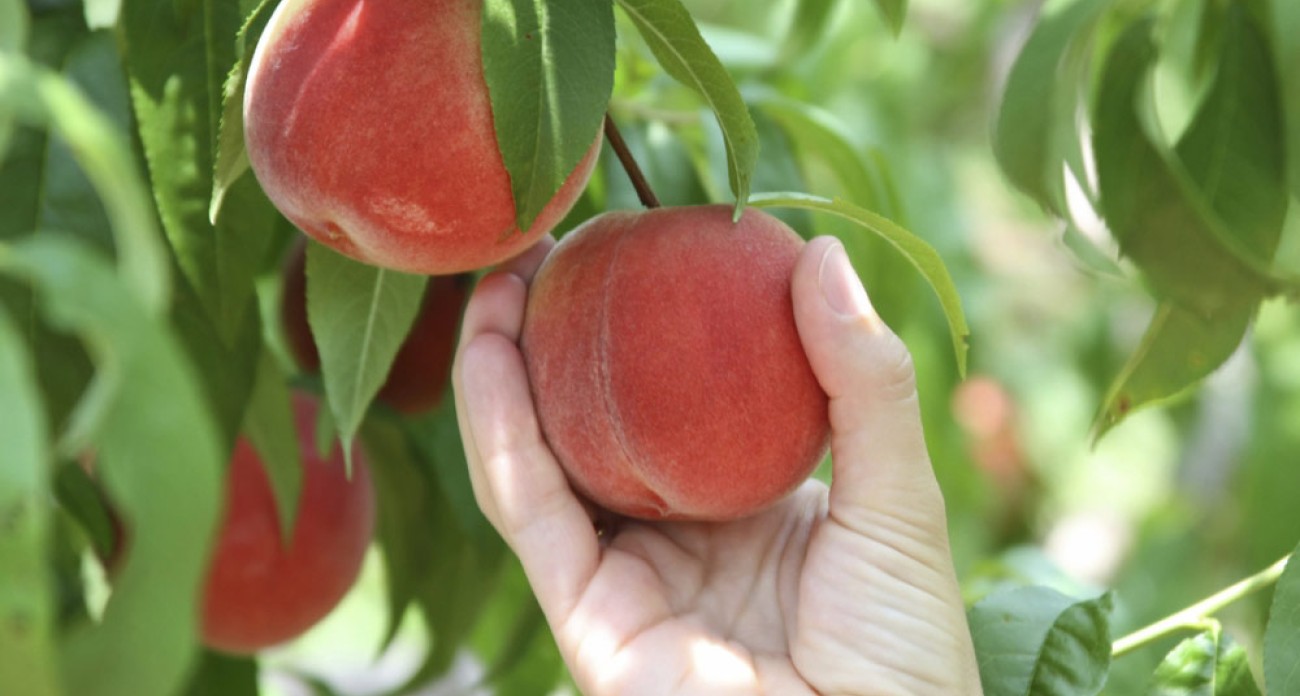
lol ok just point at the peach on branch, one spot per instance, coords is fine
(262, 590)
(369, 125)
(667, 371)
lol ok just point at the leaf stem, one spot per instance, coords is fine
(1196, 615)
(630, 166)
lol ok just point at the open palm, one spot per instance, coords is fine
(848, 590)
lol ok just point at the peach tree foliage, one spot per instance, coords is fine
(135, 247)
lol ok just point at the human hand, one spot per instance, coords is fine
(846, 590)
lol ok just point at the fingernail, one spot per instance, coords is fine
(840, 284)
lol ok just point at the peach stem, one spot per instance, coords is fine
(639, 182)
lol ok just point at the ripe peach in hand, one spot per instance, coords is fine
(261, 591)
(368, 123)
(422, 366)
(666, 368)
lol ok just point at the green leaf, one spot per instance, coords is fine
(41, 98)
(226, 366)
(819, 137)
(1035, 641)
(405, 498)
(14, 24)
(270, 426)
(917, 252)
(1286, 45)
(665, 161)
(779, 170)
(1230, 150)
(28, 660)
(550, 71)
(231, 157)
(1036, 124)
(69, 202)
(1158, 208)
(84, 501)
(151, 433)
(431, 561)
(452, 598)
(894, 12)
(673, 37)
(177, 60)
(513, 640)
(436, 436)
(1180, 348)
(1088, 254)
(52, 35)
(1207, 664)
(1282, 635)
(359, 316)
(224, 675)
(808, 27)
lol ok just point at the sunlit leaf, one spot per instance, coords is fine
(1035, 641)
(152, 434)
(1282, 636)
(231, 159)
(1207, 664)
(177, 62)
(269, 424)
(1181, 347)
(917, 252)
(1036, 124)
(672, 36)
(550, 70)
(359, 317)
(28, 660)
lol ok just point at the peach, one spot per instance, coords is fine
(422, 366)
(666, 368)
(259, 590)
(368, 124)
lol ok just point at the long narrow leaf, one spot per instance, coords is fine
(153, 433)
(550, 71)
(41, 98)
(28, 661)
(917, 252)
(359, 316)
(673, 37)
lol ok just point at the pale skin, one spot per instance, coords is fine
(842, 590)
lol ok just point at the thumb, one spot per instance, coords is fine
(877, 442)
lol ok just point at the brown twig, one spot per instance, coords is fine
(639, 182)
